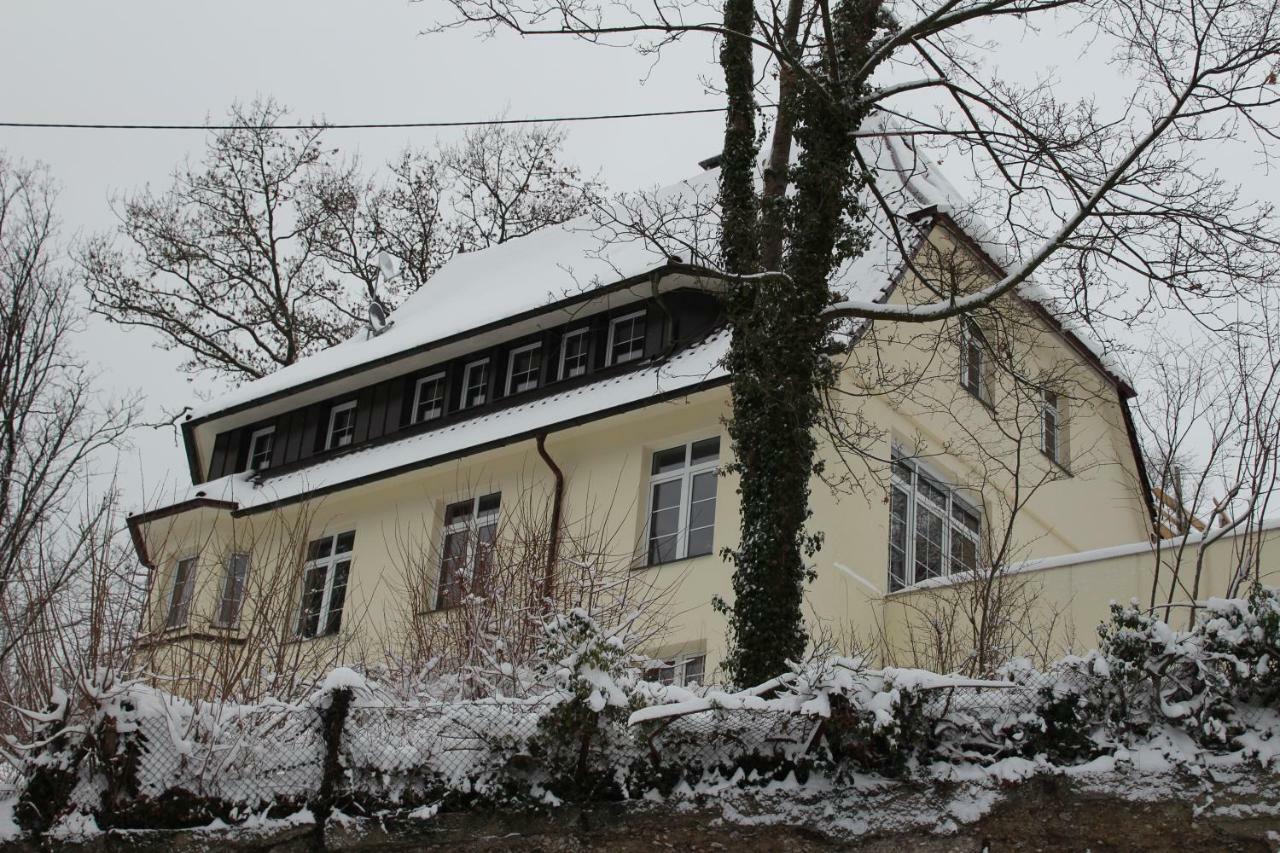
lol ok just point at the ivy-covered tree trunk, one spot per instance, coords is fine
(778, 353)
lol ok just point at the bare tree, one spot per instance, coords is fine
(53, 426)
(1118, 212)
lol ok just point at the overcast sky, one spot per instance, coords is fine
(172, 62)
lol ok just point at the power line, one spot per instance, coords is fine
(69, 125)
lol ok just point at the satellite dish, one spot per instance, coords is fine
(378, 320)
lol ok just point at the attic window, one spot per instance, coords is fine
(573, 354)
(428, 398)
(524, 368)
(475, 383)
(342, 425)
(626, 338)
(260, 446)
(973, 362)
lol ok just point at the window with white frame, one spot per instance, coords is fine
(428, 398)
(342, 425)
(626, 338)
(684, 671)
(324, 585)
(682, 501)
(524, 367)
(574, 354)
(1052, 437)
(470, 531)
(261, 443)
(181, 592)
(973, 361)
(932, 530)
(234, 583)
(475, 383)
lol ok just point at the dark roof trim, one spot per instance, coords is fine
(481, 448)
(1144, 478)
(137, 520)
(585, 296)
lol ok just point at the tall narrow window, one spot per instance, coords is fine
(932, 531)
(261, 443)
(324, 585)
(233, 588)
(626, 338)
(470, 531)
(1051, 425)
(573, 354)
(475, 383)
(428, 398)
(342, 425)
(181, 593)
(682, 501)
(523, 368)
(973, 361)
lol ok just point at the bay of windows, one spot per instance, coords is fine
(324, 585)
(682, 501)
(932, 530)
(470, 531)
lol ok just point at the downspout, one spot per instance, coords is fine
(557, 502)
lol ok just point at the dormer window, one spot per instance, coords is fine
(626, 338)
(573, 354)
(475, 383)
(261, 443)
(524, 368)
(342, 425)
(428, 398)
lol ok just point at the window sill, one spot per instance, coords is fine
(1055, 463)
(986, 404)
(675, 562)
(179, 633)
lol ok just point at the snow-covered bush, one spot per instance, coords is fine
(1245, 635)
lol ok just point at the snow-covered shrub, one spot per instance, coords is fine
(591, 677)
(1245, 635)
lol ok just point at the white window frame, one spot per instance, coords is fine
(256, 436)
(583, 334)
(679, 667)
(951, 527)
(1051, 410)
(511, 364)
(181, 605)
(685, 475)
(972, 345)
(229, 590)
(613, 327)
(482, 363)
(328, 563)
(348, 406)
(471, 525)
(438, 376)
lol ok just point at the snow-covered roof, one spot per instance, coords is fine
(685, 372)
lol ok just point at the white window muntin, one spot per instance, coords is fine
(940, 531)
(234, 583)
(475, 378)
(470, 533)
(680, 671)
(575, 365)
(435, 386)
(699, 468)
(325, 577)
(528, 377)
(342, 425)
(634, 342)
(261, 442)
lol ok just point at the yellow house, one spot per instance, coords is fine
(544, 420)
